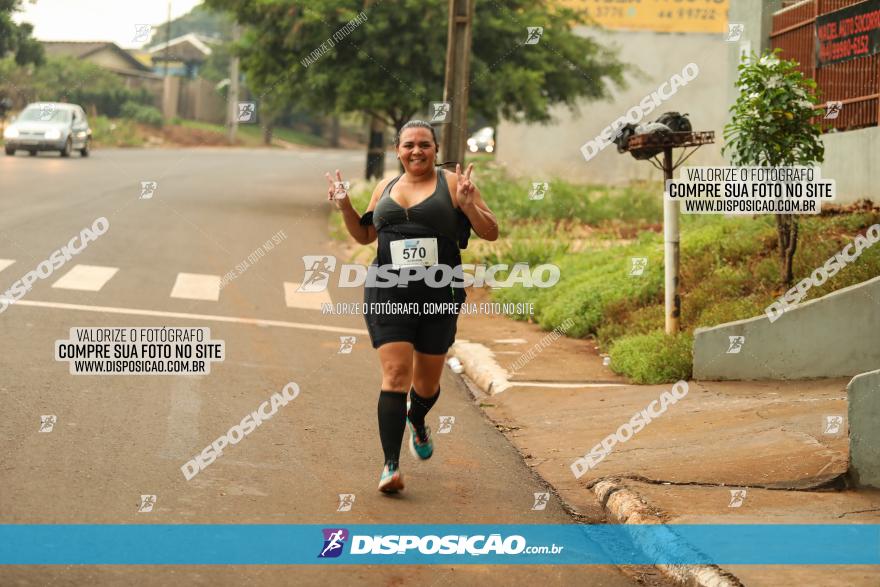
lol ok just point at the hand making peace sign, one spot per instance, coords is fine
(464, 193)
(336, 193)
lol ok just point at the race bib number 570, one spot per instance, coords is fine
(413, 252)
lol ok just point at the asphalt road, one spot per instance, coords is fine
(119, 437)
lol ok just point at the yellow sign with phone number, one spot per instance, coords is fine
(670, 16)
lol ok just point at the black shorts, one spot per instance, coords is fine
(431, 337)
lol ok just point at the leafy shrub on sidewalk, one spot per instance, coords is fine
(653, 357)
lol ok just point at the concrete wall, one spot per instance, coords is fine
(863, 393)
(554, 150)
(193, 100)
(200, 101)
(851, 160)
(832, 336)
(170, 97)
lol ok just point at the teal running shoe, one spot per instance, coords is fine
(391, 481)
(420, 444)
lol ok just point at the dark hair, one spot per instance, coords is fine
(415, 124)
(421, 124)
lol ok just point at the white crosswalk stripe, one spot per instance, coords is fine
(187, 286)
(196, 286)
(86, 278)
(304, 300)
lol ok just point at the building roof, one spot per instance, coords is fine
(187, 48)
(83, 49)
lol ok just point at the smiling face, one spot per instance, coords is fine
(417, 150)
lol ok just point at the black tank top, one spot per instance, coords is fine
(434, 217)
(435, 212)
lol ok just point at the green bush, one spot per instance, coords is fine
(654, 357)
(143, 114)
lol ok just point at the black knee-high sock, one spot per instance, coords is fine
(420, 406)
(392, 422)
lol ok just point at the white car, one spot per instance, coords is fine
(482, 140)
(49, 126)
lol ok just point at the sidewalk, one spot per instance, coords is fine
(768, 438)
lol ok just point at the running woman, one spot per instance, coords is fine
(421, 218)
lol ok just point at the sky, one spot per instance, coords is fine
(98, 20)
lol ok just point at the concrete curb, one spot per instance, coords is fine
(620, 503)
(480, 365)
(625, 506)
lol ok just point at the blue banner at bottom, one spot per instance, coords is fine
(231, 544)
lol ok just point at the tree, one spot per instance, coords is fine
(391, 66)
(16, 38)
(772, 124)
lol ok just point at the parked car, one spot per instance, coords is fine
(482, 140)
(49, 126)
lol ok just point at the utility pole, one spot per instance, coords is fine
(232, 97)
(672, 300)
(167, 37)
(376, 145)
(649, 145)
(169, 99)
(376, 149)
(458, 64)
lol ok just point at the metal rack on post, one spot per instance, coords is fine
(648, 146)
